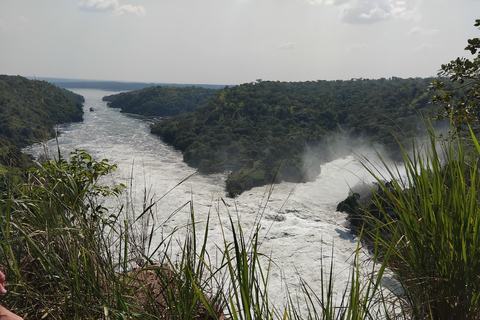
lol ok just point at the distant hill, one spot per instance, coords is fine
(118, 85)
(263, 131)
(161, 101)
(29, 110)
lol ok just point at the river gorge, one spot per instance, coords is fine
(298, 222)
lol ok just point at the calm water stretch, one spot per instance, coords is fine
(299, 224)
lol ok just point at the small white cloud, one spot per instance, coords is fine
(371, 11)
(421, 31)
(287, 46)
(138, 10)
(98, 5)
(375, 14)
(111, 5)
(357, 12)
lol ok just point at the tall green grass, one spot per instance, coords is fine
(430, 222)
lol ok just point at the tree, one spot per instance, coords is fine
(461, 100)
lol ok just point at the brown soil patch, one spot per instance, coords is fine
(155, 288)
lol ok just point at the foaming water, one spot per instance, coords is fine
(298, 223)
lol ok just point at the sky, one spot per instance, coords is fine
(233, 41)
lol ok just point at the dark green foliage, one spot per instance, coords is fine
(12, 156)
(161, 101)
(350, 205)
(261, 131)
(29, 110)
(460, 99)
(76, 97)
(80, 194)
(53, 246)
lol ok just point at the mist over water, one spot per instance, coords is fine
(299, 225)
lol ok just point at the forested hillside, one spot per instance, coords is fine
(261, 131)
(29, 110)
(161, 101)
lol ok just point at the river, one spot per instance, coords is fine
(298, 223)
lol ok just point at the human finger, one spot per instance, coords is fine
(2, 283)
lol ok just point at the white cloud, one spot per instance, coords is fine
(371, 11)
(138, 10)
(98, 5)
(374, 14)
(421, 31)
(111, 5)
(287, 46)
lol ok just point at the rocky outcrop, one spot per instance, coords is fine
(367, 207)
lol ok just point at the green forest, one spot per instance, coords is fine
(261, 131)
(160, 101)
(29, 110)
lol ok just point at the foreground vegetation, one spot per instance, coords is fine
(428, 219)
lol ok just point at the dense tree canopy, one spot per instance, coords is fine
(29, 109)
(261, 131)
(161, 101)
(460, 100)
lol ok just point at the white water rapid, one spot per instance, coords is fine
(299, 226)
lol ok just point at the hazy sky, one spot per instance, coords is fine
(232, 41)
